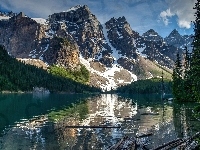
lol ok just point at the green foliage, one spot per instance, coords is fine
(177, 85)
(197, 109)
(79, 110)
(186, 84)
(146, 86)
(17, 76)
(197, 116)
(166, 72)
(81, 75)
(195, 62)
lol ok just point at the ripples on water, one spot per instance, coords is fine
(59, 124)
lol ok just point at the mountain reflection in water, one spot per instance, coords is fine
(57, 127)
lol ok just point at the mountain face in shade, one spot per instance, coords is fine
(177, 40)
(151, 35)
(113, 52)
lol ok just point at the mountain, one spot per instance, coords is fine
(152, 35)
(177, 40)
(113, 52)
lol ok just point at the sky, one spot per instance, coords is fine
(161, 15)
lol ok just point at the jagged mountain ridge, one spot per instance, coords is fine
(177, 40)
(113, 44)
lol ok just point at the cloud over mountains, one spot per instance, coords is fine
(184, 11)
(141, 14)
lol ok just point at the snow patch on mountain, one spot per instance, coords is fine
(108, 74)
(40, 20)
(74, 8)
(4, 17)
(50, 33)
(141, 49)
(115, 52)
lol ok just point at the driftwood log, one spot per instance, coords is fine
(131, 143)
(125, 143)
(178, 142)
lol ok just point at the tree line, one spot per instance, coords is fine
(186, 73)
(17, 76)
(148, 86)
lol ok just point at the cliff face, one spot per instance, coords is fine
(121, 37)
(82, 25)
(62, 53)
(23, 37)
(19, 35)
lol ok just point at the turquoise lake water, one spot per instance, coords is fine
(76, 121)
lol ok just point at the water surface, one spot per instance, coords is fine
(76, 121)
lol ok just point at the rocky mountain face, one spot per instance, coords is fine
(23, 37)
(151, 45)
(113, 52)
(178, 40)
(82, 25)
(18, 35)
(129, 47)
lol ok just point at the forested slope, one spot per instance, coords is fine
(148, 86)
(18, 76)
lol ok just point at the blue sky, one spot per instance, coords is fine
(161, 15)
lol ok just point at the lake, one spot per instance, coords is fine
(77, 121)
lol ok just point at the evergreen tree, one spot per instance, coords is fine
(17, 76)
(177, 85)
(187, 60)
(195, 62)
(186, 77)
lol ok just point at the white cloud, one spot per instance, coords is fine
(141, 14)
(184, 24)
(183, 9)
(165, 14)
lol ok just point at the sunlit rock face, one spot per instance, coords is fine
(83, 26)
(27, 38)
(19, 34)
(37, 62)
(62, 53)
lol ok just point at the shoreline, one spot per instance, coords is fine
(32, 92)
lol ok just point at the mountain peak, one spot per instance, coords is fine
(120, 19)
(177, 40)
(78, 7)
(175, 30)
(74, 14)
(152, 35)
(151, 31)
(174, 33)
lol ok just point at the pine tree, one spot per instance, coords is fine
(195, 62)
(187, 60)
(187, 78)
(177, 79)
